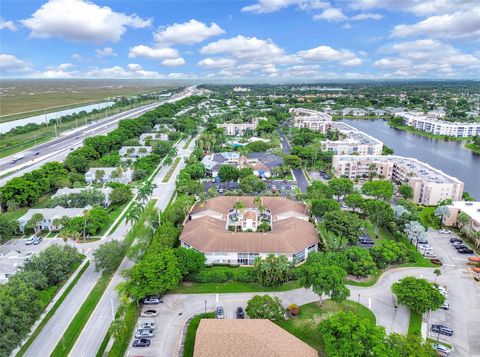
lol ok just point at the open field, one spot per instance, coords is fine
(24, 98)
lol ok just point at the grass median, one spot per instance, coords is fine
(415, 323)
(82, 316)
(172, 169)
(52, 311)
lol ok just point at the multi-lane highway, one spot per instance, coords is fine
(58, 148)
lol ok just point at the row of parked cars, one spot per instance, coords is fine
(440, 329)
(460, 246)
(35, 240)
(146, 330)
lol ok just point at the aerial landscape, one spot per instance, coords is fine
(240, 178)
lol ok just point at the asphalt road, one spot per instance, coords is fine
(58, 149)
(299, 175)
(97, 326)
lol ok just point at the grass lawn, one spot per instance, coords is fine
(231, 287)
(185, 146)
(305, 325)
(473, 147)
(415, 324)
(52, 311)
(171, 170)
(192, 332)
(14, 215)
(427, 217)
(113, 216)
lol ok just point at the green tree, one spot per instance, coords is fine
(323, 205)
(34, 221)
(406, 191)
(328, 280)
(244, 172)
(442, 212)
(7, 228)
(380, 189)
(360, 262)
(346, 334)
(273, 270)
(157, 273)
(108, 256)
(144, 191)
(120, 195)
(97, 218)
(343, 224)
(251, 184)
(293, 161)
(341, 186)
(190, 261)
(389, 252)
(418, 294)
(265, 307)
(228, 173)
(354, 201)
(380, 213)
(408, 346)
(319, 190)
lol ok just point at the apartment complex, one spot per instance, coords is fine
(471, 209)
(430, 186)
(356, 142)
(311, 119)
(238, 129)
(431, 124)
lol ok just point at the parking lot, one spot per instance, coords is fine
(281, 186)
(14, 252)
(463, 293)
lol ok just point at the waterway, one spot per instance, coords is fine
(449, 156)
(44, 118)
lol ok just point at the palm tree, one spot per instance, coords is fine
(145, 191)
(34, 221)
(239, 205)
(437, 273)
(134, 213)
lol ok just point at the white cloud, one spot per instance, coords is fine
(133, 70)
(329, 54)
(9, 25)
(11, 64)
(417, 7)
(173, 62)
(105, 52)
(78, 20)
(217, 62)
(266, 6)
(188, 33)
(153, 53)
(331, 15)
(460, 24)
(427, 58)
(366, 16)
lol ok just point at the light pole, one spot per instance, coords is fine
(205, 307)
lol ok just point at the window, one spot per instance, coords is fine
(312, 248)
(246, 258)
(299, 257)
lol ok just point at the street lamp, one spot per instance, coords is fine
(205, 307)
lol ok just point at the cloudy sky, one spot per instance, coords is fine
(252, 39)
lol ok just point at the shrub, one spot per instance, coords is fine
(293, 309)
(244, 275)
(210, 275)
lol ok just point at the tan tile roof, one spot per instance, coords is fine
(252, 338)
(289, 235)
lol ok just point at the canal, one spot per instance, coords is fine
(449, 156)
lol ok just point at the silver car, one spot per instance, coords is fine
(144, 333)
(220, 313)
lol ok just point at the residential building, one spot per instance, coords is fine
(238, 129)
(356, 142)
(152, 136)
(430, 186)
(471, 209)
(49, 216)
(110, 174)
(230, 236)
(10, 263)
(106, 191)
(311, 119)
(431, 124)
(247, 337)
(261, 163)
(134, 152)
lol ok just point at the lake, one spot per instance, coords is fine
(42, 118)
(449, 156)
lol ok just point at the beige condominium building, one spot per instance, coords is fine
(311, 119)
(236, 230)
(430, 186)
(238, 129)
(355, 142)
(471, 209)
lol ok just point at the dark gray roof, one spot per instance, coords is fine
(266, 158)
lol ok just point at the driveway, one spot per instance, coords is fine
(176, 309)
(463, 296)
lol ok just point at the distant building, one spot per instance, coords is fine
(430, 186)
(471, 209)
(238, 129)
(311, 119)
(106, 191)
(356, 142)
(229, 236)
(110, 174)
(49, 215)
(430, 124)
(262, 164)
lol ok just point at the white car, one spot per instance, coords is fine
(425, 247)
(443, 231)
(445, 306)
(147, 326)
(429, 254)
(441, 349)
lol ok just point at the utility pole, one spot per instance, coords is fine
(55, 126)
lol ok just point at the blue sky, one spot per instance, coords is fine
(256, 39)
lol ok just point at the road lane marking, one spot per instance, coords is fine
(369, 303)
(216, 298)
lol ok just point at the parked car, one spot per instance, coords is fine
(145, 333)
(220, 190)
(141, 342)
(460, 247)
(453, 240)
(442, 330)
(422, 242)
(151, 300)
(149, 313)
(445, 306)
(465, 251)
(443, 231)
(425, 247)
(457, 243)
(436, 261)
(240, 313)
(219, 312)
(429, 254)
(147, 326)
(441, 349)
(154, 185)
(37, 240)
(29, 241)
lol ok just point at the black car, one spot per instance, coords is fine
(460, 247)
(141, 342)
(442, 330)
(453, 240)
(465, 250)
(240, 313)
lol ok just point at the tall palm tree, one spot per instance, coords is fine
(134, 213)
(145, 191)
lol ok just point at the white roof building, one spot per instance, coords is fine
(125, 175)
(49, 215)
(356, 142)
(431, 124)
(311, 119)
